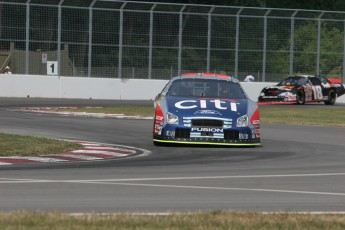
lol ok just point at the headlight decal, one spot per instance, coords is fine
(242, 121)
(172, 119)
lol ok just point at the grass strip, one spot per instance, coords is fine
(217, 220)
(297, 115)
(17, 145)
(125, 110)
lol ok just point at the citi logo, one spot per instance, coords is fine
(204, 104)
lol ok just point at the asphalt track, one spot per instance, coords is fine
(297, 169)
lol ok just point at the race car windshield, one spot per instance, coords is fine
(294, 81)
(206, 88)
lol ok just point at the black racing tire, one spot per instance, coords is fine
(332, 97)
(300, 97)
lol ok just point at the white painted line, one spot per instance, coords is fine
(125, 150)
(218, 188)
(114, 154)
(24, 180)
(127, 182)
(100, 152)
(4, 163)
(99, 147)
(81, 157)
(88, 144)
(219, 177)
(39, 159)
(7, 181)
(110, 148)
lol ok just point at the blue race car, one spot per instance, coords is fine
(205, 108)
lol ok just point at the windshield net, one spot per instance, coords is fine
(294, 81)
(206, 88)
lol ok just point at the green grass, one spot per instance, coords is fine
(17, 145)
(217, 220)
(297, 115)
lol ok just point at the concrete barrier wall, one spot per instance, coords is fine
(96, 88)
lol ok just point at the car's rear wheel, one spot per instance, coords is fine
(332, 96)
(300, 97)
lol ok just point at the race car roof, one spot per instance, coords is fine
(209, 76)
(303, 75)
(333, 80)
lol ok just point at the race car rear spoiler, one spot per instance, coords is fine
(338, 85)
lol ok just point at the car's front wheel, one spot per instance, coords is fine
(332, 96)
(300, 97)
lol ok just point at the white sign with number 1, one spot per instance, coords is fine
(52, 67)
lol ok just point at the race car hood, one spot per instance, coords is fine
(275, 90)
(206, 107)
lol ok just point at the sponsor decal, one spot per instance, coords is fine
(206, 111)
(214, 130)
(203, 104)
(158, 129)
(257, 133)
(272, 91)
(269, 96)
(159, 118)
(326, 85)
(170, 133)
(317, 90)
(243, 136)
(287, 87)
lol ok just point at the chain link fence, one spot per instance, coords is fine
(143, 40)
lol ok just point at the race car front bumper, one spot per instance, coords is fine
(209, 136)
(276, 100)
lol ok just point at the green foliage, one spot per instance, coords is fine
(305, 50)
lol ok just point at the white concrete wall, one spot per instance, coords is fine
(96, 88)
